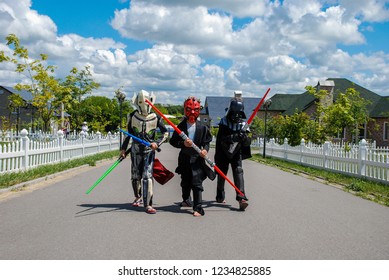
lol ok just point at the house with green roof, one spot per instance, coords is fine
(378, 108)
(288, 104)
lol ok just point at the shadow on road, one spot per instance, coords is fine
(93, 209)
(105, 207)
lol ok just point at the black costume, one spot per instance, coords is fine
(191, 166)
(232, 146)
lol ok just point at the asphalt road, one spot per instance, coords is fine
(289, 218)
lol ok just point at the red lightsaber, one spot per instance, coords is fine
(256, 110)
(194, 146)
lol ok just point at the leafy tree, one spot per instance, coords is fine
(79, 83)
(276, 128)
(176, 110)
(257, 127)
(102, 113)
(96, 110)
(166, 110)
(5, 124)
(349, 111)
(162, 108)
(295, 125)
(314, 132)
(15, 102)
(49, 93)
(46, 89)
(323, 100)
(294, 128)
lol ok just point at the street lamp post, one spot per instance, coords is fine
(266, 105)
(121, 97)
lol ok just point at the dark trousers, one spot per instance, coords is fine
(197, 190)
(237, 172)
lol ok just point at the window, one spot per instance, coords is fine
(386, 130)
(362, 132)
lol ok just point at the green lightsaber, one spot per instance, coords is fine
(119, 160)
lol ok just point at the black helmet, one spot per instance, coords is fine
(235, 111)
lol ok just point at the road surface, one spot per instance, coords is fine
(289, 218)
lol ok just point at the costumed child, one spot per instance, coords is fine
(191, 164)
(143, 124)
(232, 146)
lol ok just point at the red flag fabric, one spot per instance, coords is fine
(160, 173)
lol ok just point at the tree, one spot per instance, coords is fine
(349, 111)
(102, 113)
(50, 94)
(275, 128)
(79, 83)
(47, 91)
(294, 128)
(257, 127)
(15, 102)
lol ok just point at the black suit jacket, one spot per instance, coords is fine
(190, 164)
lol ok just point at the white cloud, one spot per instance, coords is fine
(195, 26)
(369, 10)
(284, 45)
(18, 18)
(238, 8)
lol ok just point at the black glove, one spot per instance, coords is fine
(235, 137)
(243, 137)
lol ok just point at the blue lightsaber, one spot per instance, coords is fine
(140, 140)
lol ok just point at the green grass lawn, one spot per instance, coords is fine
(10, 179)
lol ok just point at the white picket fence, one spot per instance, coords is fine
(26, 153)
(363, 160)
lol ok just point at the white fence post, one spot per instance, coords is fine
(362, 157)
(25, 147)
(110, 141)
(326, 149)
(98, 141)
(60, 142)
(302, 149)
(286, 145)
(82, 133)
(271, 146)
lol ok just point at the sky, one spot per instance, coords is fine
(204, 47)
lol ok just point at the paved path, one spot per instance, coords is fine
(289, 217)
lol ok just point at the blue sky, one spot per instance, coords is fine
(86, 18)
(205, 47)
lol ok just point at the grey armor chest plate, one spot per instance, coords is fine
(144, 124)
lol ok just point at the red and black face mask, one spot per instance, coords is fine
(192, 109)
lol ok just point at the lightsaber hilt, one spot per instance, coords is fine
(197, 149)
